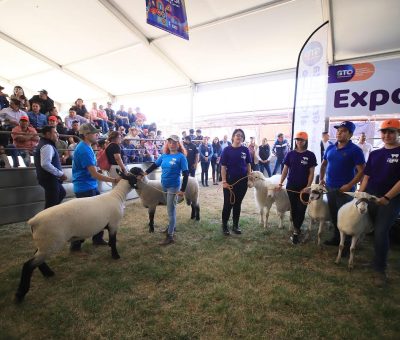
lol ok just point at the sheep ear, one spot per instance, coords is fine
(324, 189)
(373, 198)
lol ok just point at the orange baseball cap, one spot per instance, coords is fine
(301, 135)
(390, 124)
(24, 118)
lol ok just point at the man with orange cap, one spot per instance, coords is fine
(382, 179)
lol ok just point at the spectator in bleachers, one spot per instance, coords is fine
(72, 116)
(364, 146)
(159, 141)
(192, 155)
(184, 134)
(80, 108)
(25, 139)
(36, 118)
(11, 115)
(133, 136)
(191, 134)
(280, 150)
(19, 94)
(4, 162)
(61, 145)
(153, 127)
(151, 149)
(225, 142)
(122, 118)
(3, 99)
(96, 119)
(139, 124)
(253, 148)
(101, 113)
(74, 131)
(112, 118)
(140, 115)
(122, 131)
(71, 148)
(61, 129)
(7, 147)
(128, 153)
(215, 160)
(264, 156)
(145, 134)
(206, 153)
(131, 116)
(141, 151)
(45, 102)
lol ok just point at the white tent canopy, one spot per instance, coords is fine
(104, 49)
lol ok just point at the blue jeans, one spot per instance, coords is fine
(278, 164)
(266, 167)
(171, 208)
(383, 218)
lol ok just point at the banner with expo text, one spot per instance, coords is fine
(364, 89)
(169, 15)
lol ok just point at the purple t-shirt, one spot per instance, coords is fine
(299, 164)
(235, 160)
(383, 169)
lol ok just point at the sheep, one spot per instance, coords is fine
(318, 209)
(353, 220)
(73, 220)
(266, 194)
(151, 194)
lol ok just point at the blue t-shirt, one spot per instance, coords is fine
(342, 164)
(172, 165)
(299, 164)
(383, 169)
(235, 160)
(81, 178)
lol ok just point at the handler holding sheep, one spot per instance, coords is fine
(299, 166)
(173, 162)
(235, 169)
(85, 175)
(382, 179)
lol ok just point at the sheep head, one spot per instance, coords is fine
(361, 201)
(130, 178)
(317, 190)
(256, 176)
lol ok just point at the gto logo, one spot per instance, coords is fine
(372, 100)
(344, 73)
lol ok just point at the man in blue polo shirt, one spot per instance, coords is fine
(343, 165)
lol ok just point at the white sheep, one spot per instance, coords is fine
(354, 220)
(318, 209)
(151, 194)
(76, 219)
(266, 194)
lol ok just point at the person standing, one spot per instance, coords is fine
(45, 102)
(49, 172)
(215, 160)
(343, 165)
(235, 167)
(225, 142)
(192, 155)
(364, 146)
(382, 179)
(325, 142)
(173, 163)
(280, 149)
(114, 154)
(299, 166)
(264, 156)
(85, 175)
(253, 148)
(206, 153)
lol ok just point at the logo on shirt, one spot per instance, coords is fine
(172, 161)
(394, 158)
(243, 156)
(304, 160)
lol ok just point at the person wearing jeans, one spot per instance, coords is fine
(299, 166)
(206, 153)
(235, 169)
(264, 157)
(382, 179)
(279, 149)
(173, 163)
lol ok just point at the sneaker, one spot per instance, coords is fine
(225, 230)
(167, 241)
(294, 238)
(236, 230)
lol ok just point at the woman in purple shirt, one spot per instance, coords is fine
(382, 179)
(235, 164)
(299, 165)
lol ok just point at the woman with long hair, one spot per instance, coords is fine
(382, 179)
(235, 168)
(114, 154)
(19, 94)
(299, 166)
(215, 160)
(173, 163)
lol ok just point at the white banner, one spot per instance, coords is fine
(311, 90)
(364, 89)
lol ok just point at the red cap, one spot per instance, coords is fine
(53, 118)
(24, 118)
(392, 124)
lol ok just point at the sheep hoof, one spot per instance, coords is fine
(116, 256)
(197, 218)
(151, 229)
(350, 267)
(18, 298)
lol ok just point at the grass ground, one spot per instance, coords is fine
(255, 286)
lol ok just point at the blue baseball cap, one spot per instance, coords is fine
(346, 124)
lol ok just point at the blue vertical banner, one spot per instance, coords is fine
(311, 88)
(169, 15)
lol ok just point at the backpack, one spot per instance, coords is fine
(102, 160)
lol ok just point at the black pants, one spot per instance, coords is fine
(336, 200)
(239, 190)
(90, 193)
(192, 171)
(54, 192)
(216, 169)
(298, 209)
(204, 172)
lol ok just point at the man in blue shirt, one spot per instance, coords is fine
(36, 118)
(343, 165)
(280, 150)
(85, 175)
